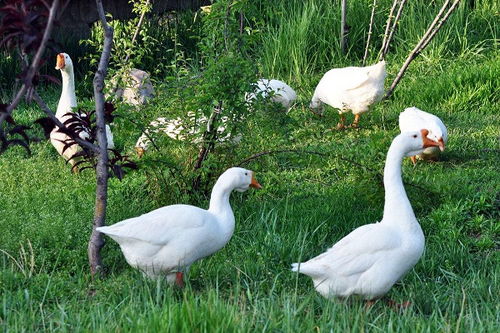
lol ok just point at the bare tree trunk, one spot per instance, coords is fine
(343, 25)
(28, 79)
(96, 241)
(387, 27)
(436, 24)
(393, 28)
(370, 31)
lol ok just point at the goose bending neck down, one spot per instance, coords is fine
(166, 241)
(368, 261)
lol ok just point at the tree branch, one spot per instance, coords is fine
(370, 31)
(343, 33)
(32, 70)
(436, 24)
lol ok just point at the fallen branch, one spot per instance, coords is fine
(435, 26)
(370, 32)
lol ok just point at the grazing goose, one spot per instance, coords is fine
(282, 93)
(173, 129)
(166, 241)
(67, 102)
(350, 88)
(412, 119)
(368, 261)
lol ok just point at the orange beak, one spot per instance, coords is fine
(430, 143)
(441, 144)
(254, 183)
(60, 61)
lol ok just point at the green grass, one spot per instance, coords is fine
(308, 202)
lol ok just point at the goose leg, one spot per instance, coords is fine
(341, 125)
(413, 159)
(398, 306)
(356, 121)
(179, 279)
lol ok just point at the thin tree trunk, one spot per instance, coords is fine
(436, 24)
(370, 31)
(96, 241)
(393, 28)
(387, 27)
(343, 32)
(32, 70)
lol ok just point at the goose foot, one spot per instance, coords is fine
(398, 306)
(355, 123)
(369, 303)
(179, 279)
(341, 125)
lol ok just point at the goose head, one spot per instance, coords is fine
(417, 141)
(239, 179)
(64, 62)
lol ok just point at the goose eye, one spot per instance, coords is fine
(246, 173)
(414, 135)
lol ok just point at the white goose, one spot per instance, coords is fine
(173, 129)
(166, 241)
(368, 261)
(350, 88)
(282, 93)
(412, 119)
(67, 102)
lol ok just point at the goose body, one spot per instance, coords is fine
(352, 89)
(173, 128)
(413, 118)
(368, 261)
(67, 102)
(168, 240)
(281, 92)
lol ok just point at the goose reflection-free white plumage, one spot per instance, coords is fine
(352, 89)
(368, 261)
(67, 103)
(169, 239)
(413, 119)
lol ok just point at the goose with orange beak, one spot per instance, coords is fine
(67, 103)
(413, 119)
(168, 240)
(372, 258)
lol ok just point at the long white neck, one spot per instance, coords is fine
(219, 206)
(68, 95)
(397, 207)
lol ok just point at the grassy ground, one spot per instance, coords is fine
(308, 202)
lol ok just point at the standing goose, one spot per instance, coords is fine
(350, 88)
(166, 241)
(412, 119)
(67, 102)
(281, 92)
(368, 261)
